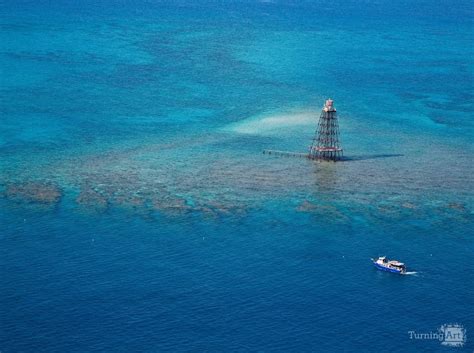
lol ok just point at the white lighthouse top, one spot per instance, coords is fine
(329, 106)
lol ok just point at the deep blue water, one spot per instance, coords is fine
(138, 214)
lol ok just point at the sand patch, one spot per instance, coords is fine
(274, 124)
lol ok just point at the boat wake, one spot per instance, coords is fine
(412, 273)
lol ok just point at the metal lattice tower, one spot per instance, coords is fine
(326, 145)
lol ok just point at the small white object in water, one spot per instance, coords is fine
(413, 273)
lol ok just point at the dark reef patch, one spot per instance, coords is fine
(171, 206)
(323, 211)
(34, 192)
(457, 206)
(306, 206)
(91, 198)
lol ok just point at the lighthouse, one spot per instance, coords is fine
(326, 145)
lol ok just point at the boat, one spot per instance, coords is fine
(389, 265)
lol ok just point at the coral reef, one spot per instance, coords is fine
(91, 198)
(35, 192)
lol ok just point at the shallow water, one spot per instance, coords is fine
(138, 212)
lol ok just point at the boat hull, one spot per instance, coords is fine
(387, 269)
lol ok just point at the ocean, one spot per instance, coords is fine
(139, 214)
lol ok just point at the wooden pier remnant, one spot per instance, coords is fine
(286, 153)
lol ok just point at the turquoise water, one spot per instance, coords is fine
(139, 214)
